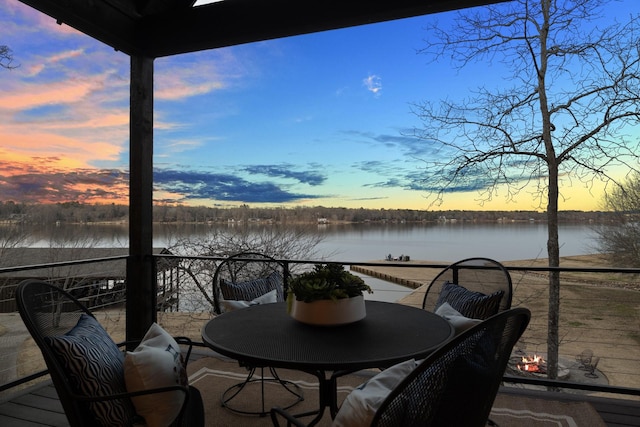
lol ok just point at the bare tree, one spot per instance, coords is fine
(620, 239)
(6, 57)
(292, 243)
(576, 90)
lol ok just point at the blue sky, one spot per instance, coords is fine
(311, 120)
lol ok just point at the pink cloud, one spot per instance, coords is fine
(56, 93)
(74, 152)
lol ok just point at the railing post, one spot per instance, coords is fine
(285, 279)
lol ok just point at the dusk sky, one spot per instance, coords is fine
(311, 120)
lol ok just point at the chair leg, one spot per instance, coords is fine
(591, 369)
(232, 392)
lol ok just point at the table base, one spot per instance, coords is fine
(232, 392)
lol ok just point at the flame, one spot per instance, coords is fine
(531, 363)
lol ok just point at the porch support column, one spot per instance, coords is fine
(141, 279)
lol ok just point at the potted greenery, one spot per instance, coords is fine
(327, 295)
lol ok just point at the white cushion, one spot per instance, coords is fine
(459, 322)
(156, 362)
(361, 404)
(269, 297)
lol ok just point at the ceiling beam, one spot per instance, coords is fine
(233, 22)
(95, 18)
(156, 28)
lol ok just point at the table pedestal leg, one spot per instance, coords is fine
(327, 397)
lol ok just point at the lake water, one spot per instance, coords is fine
(450, 242)
(443, 242)
(367, 242)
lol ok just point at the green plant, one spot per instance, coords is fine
(328, 281)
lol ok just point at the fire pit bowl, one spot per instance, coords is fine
(534, 365)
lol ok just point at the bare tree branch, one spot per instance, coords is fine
(6, 57)
(566, 119)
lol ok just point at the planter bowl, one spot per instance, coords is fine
(329, 312)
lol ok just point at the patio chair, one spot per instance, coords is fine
(88, 369)
(455, 386)
(245, 276)
(475, 288)
(584, 359)
(239, 281)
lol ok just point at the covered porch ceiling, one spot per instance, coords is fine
(158, 28)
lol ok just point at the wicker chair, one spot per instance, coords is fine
(51, 313)
(456, 385)
(482, 275)
(246, 276)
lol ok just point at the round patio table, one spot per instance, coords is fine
(266, 336)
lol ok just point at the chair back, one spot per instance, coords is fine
(48, 311)
(482, 275)
(247, 275)
(458, 383)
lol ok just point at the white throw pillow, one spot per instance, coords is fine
(156, 362)
(269, 297)
(361, 404)
(459, 322)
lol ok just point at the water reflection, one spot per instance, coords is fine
(362, 242)
(440, 243)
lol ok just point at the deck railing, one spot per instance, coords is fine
(599, 311)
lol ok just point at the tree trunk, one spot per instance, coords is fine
(553, 250)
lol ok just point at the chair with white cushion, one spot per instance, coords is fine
(99, 384)
(240, 281)
(468, 291)
(455, 386)
(247, 276)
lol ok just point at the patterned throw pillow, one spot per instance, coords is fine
(475, 305)
(252, 289)
(95, 366)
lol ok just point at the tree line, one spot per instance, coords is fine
(80, 213)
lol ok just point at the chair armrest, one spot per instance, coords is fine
(188, 343)
(129, 395)
(277, 412)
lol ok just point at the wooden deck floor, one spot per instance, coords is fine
(39, 406)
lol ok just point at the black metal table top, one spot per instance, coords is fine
(265, 335)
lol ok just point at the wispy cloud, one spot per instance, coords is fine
(313, 178)
(222, 187)
(373, 83)
(402, 144)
